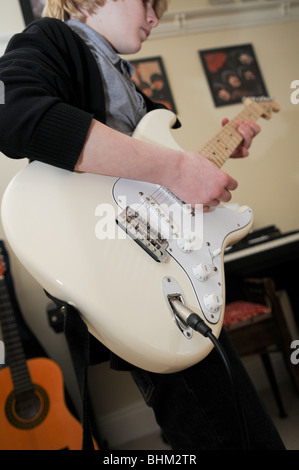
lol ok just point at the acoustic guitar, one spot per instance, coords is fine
(33, 413)
(121, 251)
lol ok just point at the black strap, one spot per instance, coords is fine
(78, 340)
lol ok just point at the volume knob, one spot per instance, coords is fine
(213, 302)
(202, 271)
(186, 243)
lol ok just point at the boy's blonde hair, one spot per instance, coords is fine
(64, 9)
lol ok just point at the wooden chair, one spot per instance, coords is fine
(257, 325)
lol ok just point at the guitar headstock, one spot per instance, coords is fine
(268, 105)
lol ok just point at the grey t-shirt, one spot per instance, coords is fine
(124, 105)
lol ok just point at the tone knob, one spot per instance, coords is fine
(187, 243)
(202, 271)
(213, 302)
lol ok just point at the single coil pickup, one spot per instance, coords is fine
(140, 224)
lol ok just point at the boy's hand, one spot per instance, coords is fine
(248, 130)
(200, 181)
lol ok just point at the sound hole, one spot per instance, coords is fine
(27, 405)
(28, 410)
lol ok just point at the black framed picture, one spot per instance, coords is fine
(32, 9)
(232, 73)
(150, 77)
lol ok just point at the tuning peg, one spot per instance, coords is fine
(267, 104)
(275, 107)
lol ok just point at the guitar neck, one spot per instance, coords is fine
(220, 147)
(14, 350)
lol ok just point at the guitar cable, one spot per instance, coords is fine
(196, 323)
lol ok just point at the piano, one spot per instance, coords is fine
(264, 253)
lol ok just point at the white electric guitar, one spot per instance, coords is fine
(121, 250)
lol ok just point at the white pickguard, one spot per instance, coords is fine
(51, 216)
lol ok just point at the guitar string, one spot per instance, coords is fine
(226, 136)
(229, 135)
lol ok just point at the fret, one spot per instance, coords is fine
(21, 379)
(23, 388)
(5, 304)
(5, 315)
(221, 146)
(15, 356)
(19, 369)
(10, 337)
(14, 351)
(7, 322)
(11, 334)
(9, 329)
(17, 373)
(19, 364)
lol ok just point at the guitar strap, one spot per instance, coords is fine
(78, 339)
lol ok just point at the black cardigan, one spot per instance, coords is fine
(53, 89)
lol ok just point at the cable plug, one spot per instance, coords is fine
(189, 317)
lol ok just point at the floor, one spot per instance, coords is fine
(288, 427)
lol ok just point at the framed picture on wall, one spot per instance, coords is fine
(232, 73)
(32, 9)
(150, 77)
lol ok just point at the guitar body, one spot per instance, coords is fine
(52, 427)
(62, 226)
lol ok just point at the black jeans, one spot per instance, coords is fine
(195, 407)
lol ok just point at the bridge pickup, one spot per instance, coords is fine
(142, 233)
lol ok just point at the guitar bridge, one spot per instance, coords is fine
(139, 229)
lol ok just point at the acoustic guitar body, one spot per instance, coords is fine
(42, 421)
